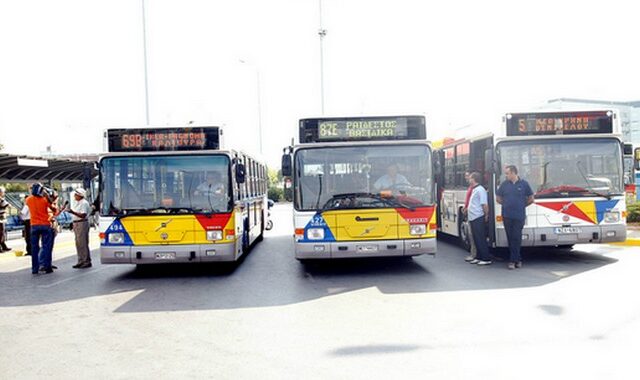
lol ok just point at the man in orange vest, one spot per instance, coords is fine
(41, 230)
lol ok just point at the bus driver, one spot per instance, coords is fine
(212, 186)
(389, 180)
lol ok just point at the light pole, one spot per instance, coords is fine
(259, 102)
(321, 33)
(144, 50)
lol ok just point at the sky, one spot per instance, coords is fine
(71, 69)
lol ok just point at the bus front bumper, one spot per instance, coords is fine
(160, 254)
(366, 248)
(548, 236)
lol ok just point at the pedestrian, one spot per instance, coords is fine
(478, 215)
(41, 232)
(465, 223)
(4, 207)
(53, 218)
(81, 209)
(514, 195)
(26, 220)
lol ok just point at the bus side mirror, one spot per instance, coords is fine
(287, 169)
(490, 163)
(240, 173)
(437, 164)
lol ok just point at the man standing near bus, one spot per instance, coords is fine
(514, 195)
(81, 210)
(4, 207)
(478, 215)
(41, 232)
(466, 225)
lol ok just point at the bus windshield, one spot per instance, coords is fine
(567, 167)
(363, 177)
(165, 184)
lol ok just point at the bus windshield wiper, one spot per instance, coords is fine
(172, 210)
(402, 204)
(206, 211)
(131, 211)
(589, 188)
(389, 201)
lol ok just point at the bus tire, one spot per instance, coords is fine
(261, 236)
(463, 235)
(246, 239)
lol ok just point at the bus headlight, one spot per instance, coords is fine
(214, 235)
(418, 229)
(612, 217)
(315, 233)
(116, 238)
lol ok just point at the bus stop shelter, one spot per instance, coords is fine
(14, 168)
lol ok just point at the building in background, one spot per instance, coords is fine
(629, 113)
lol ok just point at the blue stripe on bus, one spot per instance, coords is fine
(317, 221)
(116, 226)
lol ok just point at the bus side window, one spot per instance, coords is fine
(462, 164)
(449, 168)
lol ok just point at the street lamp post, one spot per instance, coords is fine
(259, 102)
(321, 33)
(144, 50)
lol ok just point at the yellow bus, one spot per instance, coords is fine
(362, 187)
(172, 195)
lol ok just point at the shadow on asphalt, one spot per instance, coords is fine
(270, 276)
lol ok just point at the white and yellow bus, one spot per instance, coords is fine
(171, 195)
(362, 187)
(573, 161)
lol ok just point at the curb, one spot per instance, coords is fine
(630, 242)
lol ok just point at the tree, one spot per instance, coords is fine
(275, 185)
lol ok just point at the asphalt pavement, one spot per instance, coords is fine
(564, 314)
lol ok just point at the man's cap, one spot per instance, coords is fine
(81, 192)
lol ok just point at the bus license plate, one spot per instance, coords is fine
(568, 230)
(165, 255)
(367, 248)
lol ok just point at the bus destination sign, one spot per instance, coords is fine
(362, 129)
(559, 123)
(163, 139)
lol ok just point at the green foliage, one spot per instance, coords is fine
(633, 213)
(275, 177)
(16, 187)
(275, 193)
(275, 185)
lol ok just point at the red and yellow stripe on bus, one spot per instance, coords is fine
(371, 224)
(173, 229)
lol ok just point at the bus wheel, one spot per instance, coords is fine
(464, 238)
(261, 237)
(246, 242)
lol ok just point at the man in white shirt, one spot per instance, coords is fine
(389, 180)
(478, 216)
(81, 209)
(25, 215)
(4, 207)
